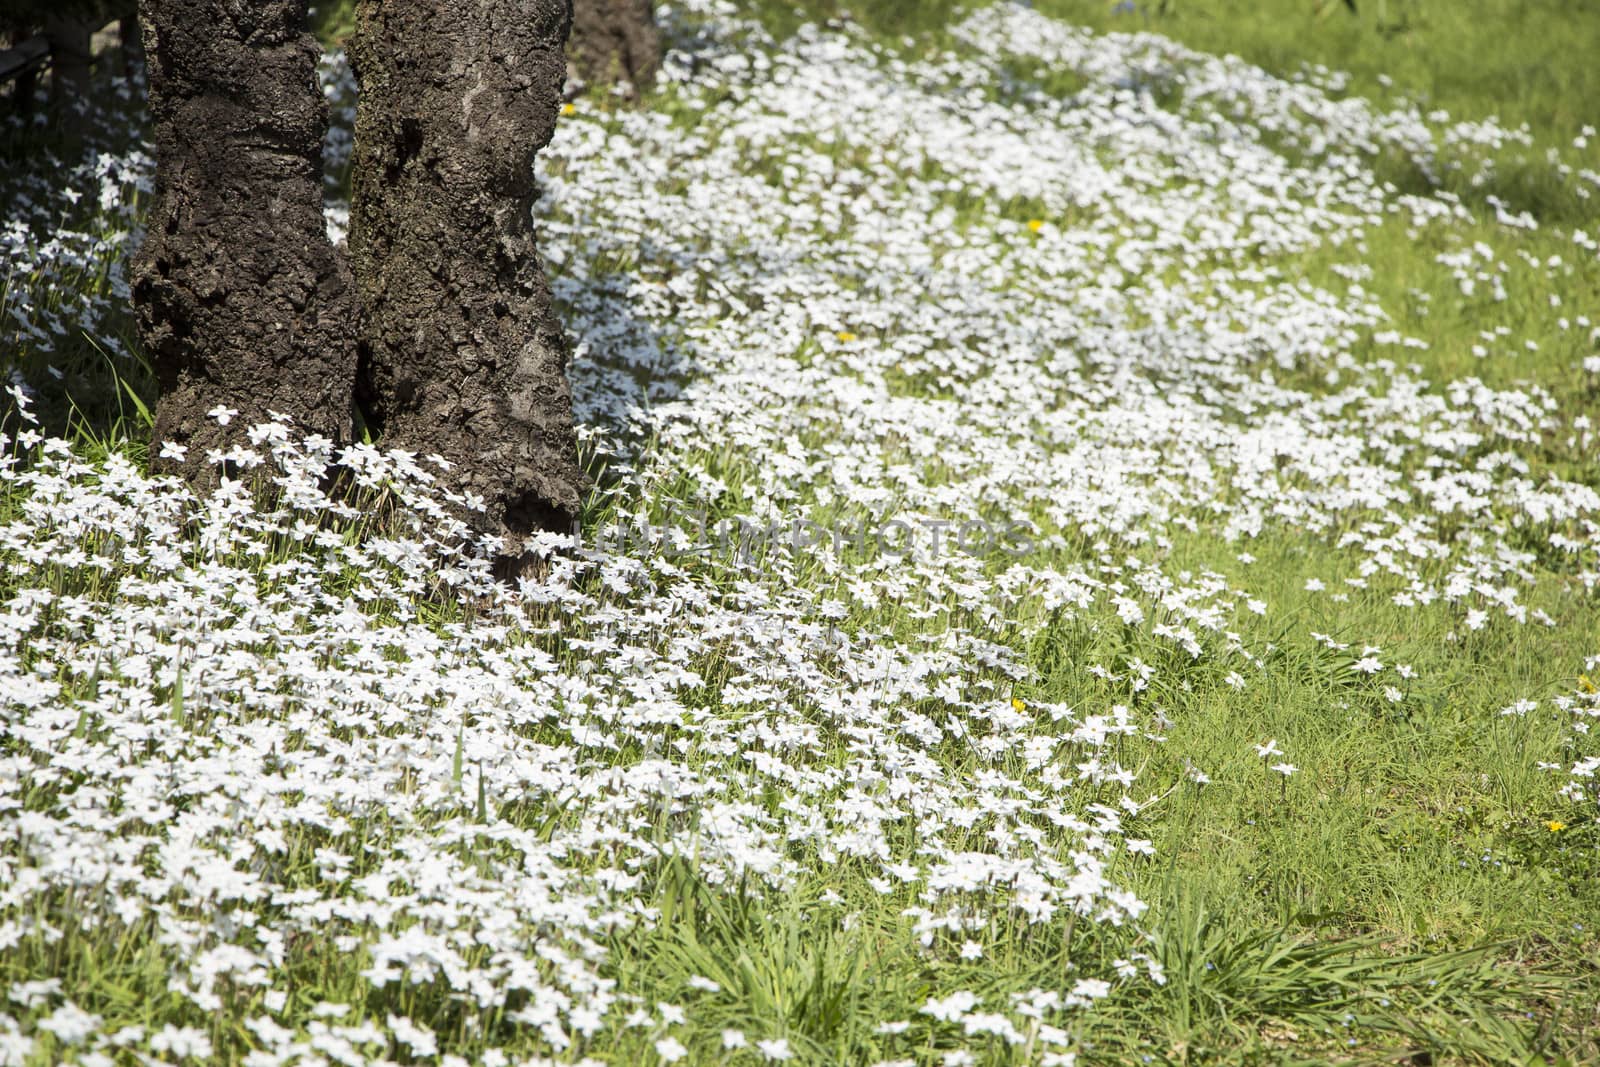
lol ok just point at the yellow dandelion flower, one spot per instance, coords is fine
(845, 335)
(1017, 704)
(1585, 684)
(1555, 826)
(569, 109)
(1036, 225)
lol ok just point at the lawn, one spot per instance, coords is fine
(1092, 559)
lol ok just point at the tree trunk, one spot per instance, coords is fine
(71, 78)
(462, 355)
(614, 41)
(240, 299)
(132, 45)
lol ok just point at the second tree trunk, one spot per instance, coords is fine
(614, 41)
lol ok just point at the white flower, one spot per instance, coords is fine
(1091, 989)
(70, 1024)
(419, 1039)
(184, 1042)
(775, 1049)
(951, 1008)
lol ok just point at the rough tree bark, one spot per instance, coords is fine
(462, 355)
(239, 297)
(614, 41)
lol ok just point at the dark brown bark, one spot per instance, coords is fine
(614, 41)
(240, 299)
(132, 44)
(27, 55)
(462, 355)
(71, 76)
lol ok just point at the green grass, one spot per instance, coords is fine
(1523, 60)
(333, 21)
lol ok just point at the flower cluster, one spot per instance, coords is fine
(818, 279)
